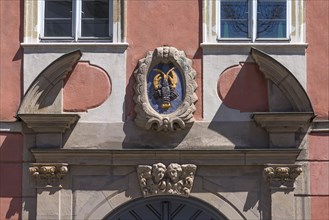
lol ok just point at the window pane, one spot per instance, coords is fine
(58, 28)
(234, 18)
(271, 19)
(58, 18)
(58, 9)
(95, 9)
(95, 28)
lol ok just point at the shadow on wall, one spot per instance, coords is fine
(11, 145)
(139, 138)
(15, 209)
(251, 198)
(243, 90)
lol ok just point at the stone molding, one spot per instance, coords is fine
(283, 122)
(44, 94)
(133, 157)
(48, 174)
(319, 126)
(284, 80)
(161, 180)
(282, 176)
(147, 117)
(48, 123)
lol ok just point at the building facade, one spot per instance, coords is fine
(164, 109)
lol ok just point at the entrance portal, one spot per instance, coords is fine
(165, 208)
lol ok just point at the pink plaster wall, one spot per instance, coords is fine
(151, 24)
(317, 35)
(86, 87)
(11, 14)
(319, 207)
(244, 87)
(11, 145)
(317, 23)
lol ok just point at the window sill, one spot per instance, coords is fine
(76, 44)
(253, 44)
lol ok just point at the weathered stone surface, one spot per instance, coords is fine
(151, 119)
(158, 179)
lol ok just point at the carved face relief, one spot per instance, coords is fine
(165, 90)
(159, 171)
(174, 179)
(174, 172)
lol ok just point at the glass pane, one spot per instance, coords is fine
(58, 28)
(234, 18)
(95, 9)
(271, 19)
(95, 28)
(58, 9)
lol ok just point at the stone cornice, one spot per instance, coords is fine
(284, 122)
(320, 126)
(133, 157)
(48, 123)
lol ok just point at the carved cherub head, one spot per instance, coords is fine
(158, 172)
(174, 172)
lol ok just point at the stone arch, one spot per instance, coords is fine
(166, 207)
(110, 205)
(284, 80)
(43, 96)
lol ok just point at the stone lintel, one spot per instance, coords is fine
(48, 123)
(133, 157)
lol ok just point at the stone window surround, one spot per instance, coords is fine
(33, 22)
(252, 22)
(295, 34)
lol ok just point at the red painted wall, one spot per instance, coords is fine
(11, 144)
(317, 23)
(87, 81)
(11, 15)
(151, 24)
(317, 34)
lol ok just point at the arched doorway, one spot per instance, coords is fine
(165, 208)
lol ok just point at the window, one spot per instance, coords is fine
(77, 20)
(253, 19)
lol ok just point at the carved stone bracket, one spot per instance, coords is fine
(174, 83)
(48, 123)
(48, 175)
(283, 122)
(282, 176)
(161, 180)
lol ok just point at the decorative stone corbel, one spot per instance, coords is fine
(282, 176)
(161, 180)
(48, 175)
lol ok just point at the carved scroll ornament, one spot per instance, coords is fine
(165, 90)
(161, 180)
(48, 175)
(282, 176)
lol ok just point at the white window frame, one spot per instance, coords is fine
(76, 24)
(252, 23)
